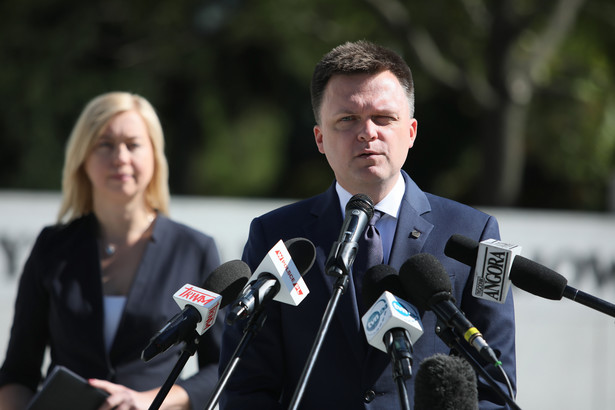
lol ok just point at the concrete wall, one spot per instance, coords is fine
(565, 351)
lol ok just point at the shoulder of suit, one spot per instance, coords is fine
(65, 236)
(86, 223)
(167, 228)
(451, 206)
(292, 210)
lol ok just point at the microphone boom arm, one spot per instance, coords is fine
(589, 301)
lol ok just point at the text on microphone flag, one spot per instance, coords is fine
(493, 264)
(197, 295)
(205, 301)
(289, 272)
(279, 262)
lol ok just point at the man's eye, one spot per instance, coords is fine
(383, 120)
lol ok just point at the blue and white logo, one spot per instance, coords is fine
(401, 309)
(375, 318)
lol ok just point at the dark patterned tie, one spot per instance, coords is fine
(370, 253)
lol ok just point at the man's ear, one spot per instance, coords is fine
(318, 137)
(413, 131)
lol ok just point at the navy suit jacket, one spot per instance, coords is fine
(348, 373)
(60, 304)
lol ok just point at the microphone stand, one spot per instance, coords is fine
(452, 340)
(401, 362)
(189, 349)
(338, 264)
(252, 328)
(338, 289)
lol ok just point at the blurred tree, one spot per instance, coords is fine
(496, 57)
(514, 101)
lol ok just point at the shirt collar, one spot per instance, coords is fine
(389, 205)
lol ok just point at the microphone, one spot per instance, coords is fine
(225, 283)
(358, 212)
(529, 276)
(445, 382)
(429, 287)
(278, 277)
(391, 325)
(493, 263)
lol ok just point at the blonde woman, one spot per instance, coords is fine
(99, 284)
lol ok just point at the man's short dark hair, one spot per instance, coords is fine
(360, 57)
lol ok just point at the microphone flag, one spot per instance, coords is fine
(279, 263)
(206, 302)
(390, 312)
(493, 264)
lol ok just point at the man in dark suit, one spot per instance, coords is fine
(363, 101)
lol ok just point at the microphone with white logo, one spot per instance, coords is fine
(199, 306)
(445, 382)
(359, 210)
(429, 287)
(391, 324)
(278, 277)
(529, 276)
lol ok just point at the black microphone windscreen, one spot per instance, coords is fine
(445, 383)
(227, 280)
(462, 249)
(537, 279)
(377, 279)
(525, 274)
(423, 277)
(362, 202)
(303, 253)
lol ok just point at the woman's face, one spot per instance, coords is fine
(121, 163)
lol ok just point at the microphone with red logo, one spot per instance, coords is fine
(278, 277)
(199, 307)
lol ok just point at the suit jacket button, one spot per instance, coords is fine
(369, 396)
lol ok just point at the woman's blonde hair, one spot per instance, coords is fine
(76, 186)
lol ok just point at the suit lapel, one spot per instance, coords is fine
(140, 290)
(412, 229)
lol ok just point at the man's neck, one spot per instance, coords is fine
(389, 203)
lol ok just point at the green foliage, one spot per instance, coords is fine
(243, 154)
(230, 80)
(572, 146)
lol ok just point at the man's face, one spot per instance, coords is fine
(365, 131)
